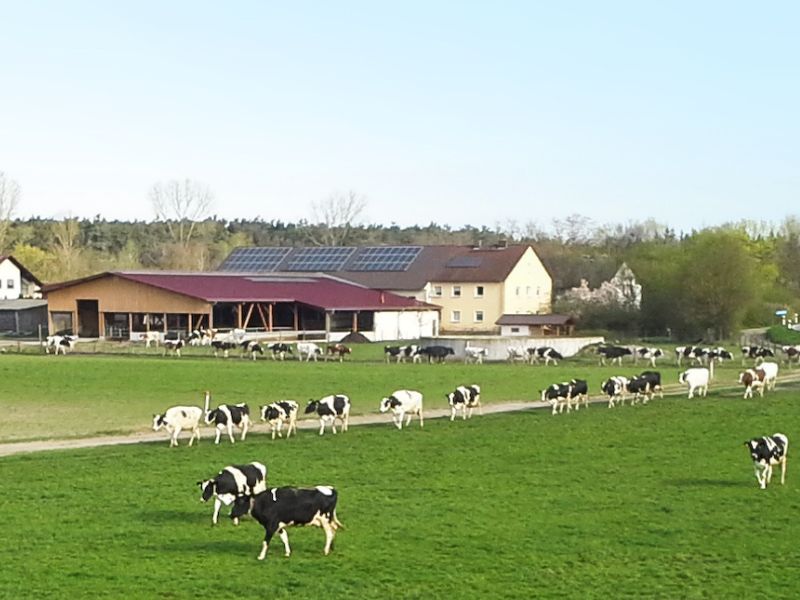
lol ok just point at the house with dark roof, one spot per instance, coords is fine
(22, 311)
(16, 281)
(127, 304)
(473, 285)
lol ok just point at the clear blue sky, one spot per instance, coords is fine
(453, 112)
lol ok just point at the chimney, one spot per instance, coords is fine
(501, 244)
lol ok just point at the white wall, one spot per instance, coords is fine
(497, 346)
(9, 270)
(405, 325)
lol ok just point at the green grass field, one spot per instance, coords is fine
(655, 501)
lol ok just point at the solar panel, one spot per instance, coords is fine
(257, 260)
(385, 258)
(327, 258)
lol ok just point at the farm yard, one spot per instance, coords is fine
(649, 501)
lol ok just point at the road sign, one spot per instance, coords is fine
(781, 313)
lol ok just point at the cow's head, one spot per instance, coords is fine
(158, 422)
(241, 506)
(207, 488)
(312, 406)
(388, 403)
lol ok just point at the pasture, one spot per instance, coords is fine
(655, 501)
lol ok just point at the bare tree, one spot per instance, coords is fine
(181, 204)
(66, 246)
(334, 217)
(9, 198)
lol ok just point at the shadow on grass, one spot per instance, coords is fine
(229, 547)
(170, 516)
(705, 482)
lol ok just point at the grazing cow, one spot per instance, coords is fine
(436, 354)
(403, 403)
(694, 353)
(232, 483)
(279, 350)
(278, 413)
(309, 350)
(152, 336)
(330, 408)
(717, 355)
(222, 346)
(615, 387)
(279, 508)
(465, 398)
(770, 374)
(545, 353)
(558, 395)
(750, 379)
(767, 452)
(177, 418)
(579, 391)
(225, 416)
(696, 379)
(251, 347)
(613, 353)
(757, 353)
(516, 354)
(473, 354)
(792, 353)
(337, 350)
(650, 354)
(401, 353)
(60, 343)
(639, 387)
(653, 379)
(173, 346)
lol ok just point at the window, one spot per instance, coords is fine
(515, 330)
(62, 323)
(528, 291)
(456, 291)
(10, 284)
(518, 290)
(455, 316)
(479, 291)
(479, 316)
(437, 291)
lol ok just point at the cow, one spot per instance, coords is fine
(225, 416)
(717, 355)
(436, 354)
(557, 394)
(615, 388)
(696, 379)
(403, 403)
(278, 413)
(515, 354)
(152, 336)
(279, 350)
(770, 374)
(613, 353)
(60, 343)
(653, 379)
(649, 354)
(174, 346)
(756, 353)
(330, 408)
(177, 418)
(309, 350)
(579, 391)
(473, 354)
(767, 452)
(401, 353)
(337, 350)
(792, 353)
(752, 379)
(279, 508)
(223, 346)
(639, 387)
(464, 398)
(694, 353)
(230, 484)
(251, 347)
(545, 353)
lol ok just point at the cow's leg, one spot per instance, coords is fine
(321, 426)
(330, 532)
(217, 506)
(230, 432)
(408, 419)
(219, 433)
(245, 428)
(270, 531)
(285, 539)
(346, 422)
(195, 435)
(333, 425)
(783, 469)
(452, 413)
(768, 472)
(421, 419)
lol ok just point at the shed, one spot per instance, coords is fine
(536, 325)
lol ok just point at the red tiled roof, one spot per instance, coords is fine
(314, 290)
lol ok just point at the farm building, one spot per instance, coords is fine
(126, 304)
(473, 285)
(16, 281)
(536, 325)
(22, 311)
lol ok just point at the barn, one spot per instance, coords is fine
(124, 305)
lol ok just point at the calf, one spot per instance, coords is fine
(401, 353)
(767, 452)
(402, 403)
(613, 353)
(278, 413)
(330, 408)
(465, 398)
(252, 348)
(309, 350)
(473, 354)
(750, 379)
(174, 347)
(696, 379)
(558, 395)
(279, 350)
(515, 354)
(545, 353)
(279, 508)
(152, 336)
(337, 350)
(615, 387)
(222, 346)
(177, 418)
(436, 354)
(59, 343)
(232, 483)
(225, 416)
(650, 354)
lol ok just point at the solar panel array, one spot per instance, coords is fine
(385, 258)
(256, 260)
(319, 259)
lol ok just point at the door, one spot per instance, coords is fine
(88, 319)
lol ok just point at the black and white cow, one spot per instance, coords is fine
(639, 388)
(403, 403)
(279, 350)
(613, 353)
(756, 353)
(436, 354)
(693, 353)
(225, 416)
(279, 508)
(516, 354)
(330, 408)
(177, 418)
(767, 452)
(579, 392)
(649, 354)
(279, 413)
(223, 346)
(615, 388)
(557, 394)
(309, 350)
(174, 347)
(60, 344)
(718, 354)
(401, 353)
(464, 398)
(233, 482)
(653, 379)
(545, 353)
(251, 347)
(473, 354)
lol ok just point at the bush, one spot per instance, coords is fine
(782, 335)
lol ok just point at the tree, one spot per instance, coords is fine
(181, 205)
(67, 247)
(334, 218)
(9, 197)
